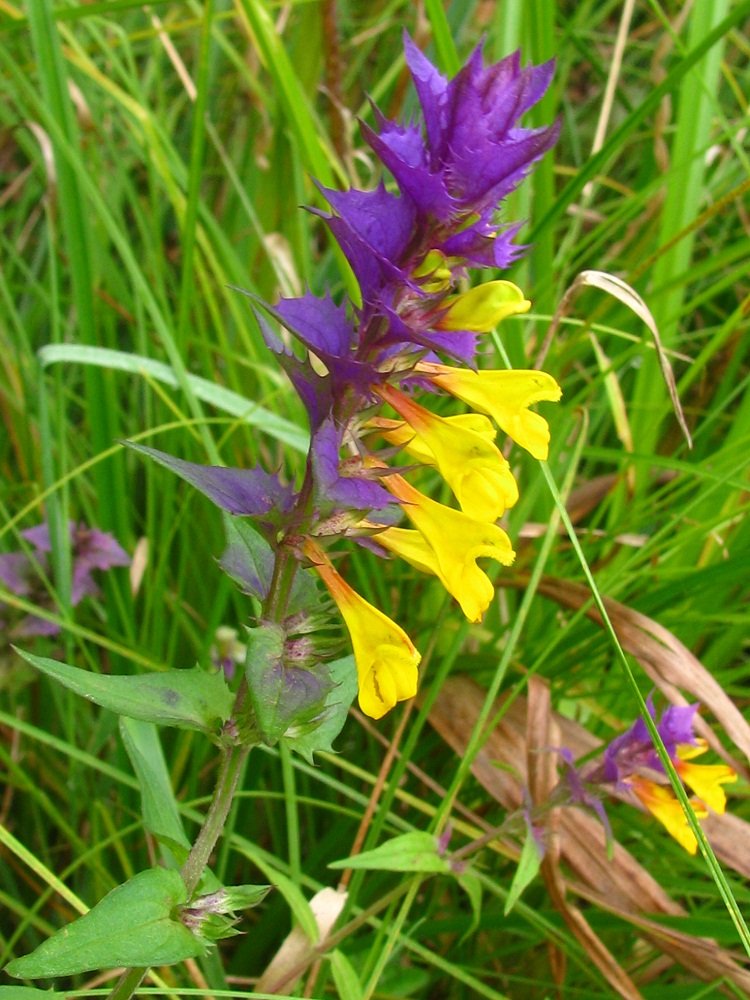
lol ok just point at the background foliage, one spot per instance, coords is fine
(150, 158)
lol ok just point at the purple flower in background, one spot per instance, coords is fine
(634, 769)
(23, 573)
(17, 573)
(90, 548)
(634, 748)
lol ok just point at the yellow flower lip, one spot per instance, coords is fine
(469, 461)
(661, 803)
(483, 307)
(385, 656)
(504, 395)
(451, 542)
(706, 781)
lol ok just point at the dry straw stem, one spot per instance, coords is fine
(297, 951)
(617, 884)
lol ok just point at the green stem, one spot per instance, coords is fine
(230, 769)
(197, 860)
(226, 784)
(128, 983)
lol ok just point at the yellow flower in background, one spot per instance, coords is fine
(503, 395)
(471, 464)
(706, 781)
(384, 654)
(483, 307)
(454, 541)
(661, 803)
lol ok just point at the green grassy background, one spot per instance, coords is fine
(152, 157)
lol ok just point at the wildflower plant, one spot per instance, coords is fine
(411, 250)
(369, 373)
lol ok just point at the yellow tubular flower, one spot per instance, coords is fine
(473, 466)
(399, 433)
(503, 395)
(482, 308)
(384, 654)
(661, 803)
(454, 542)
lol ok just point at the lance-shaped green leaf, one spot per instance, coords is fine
(132, 926)
(528, 867)
(188, 699)
(248, 558)
(411, 852)
(473, 889)
(161, 816)
(344, 976)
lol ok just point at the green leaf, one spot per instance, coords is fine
(132, 926)
(473, 889)
(188, 699)
(528, 867)
(286, 699)
(345, 977)
(248, 558)
(343, 673)
(266, 676)
(160, 814)
(411, 852)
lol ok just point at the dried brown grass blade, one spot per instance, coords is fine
(624, 293)
(619, 884)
